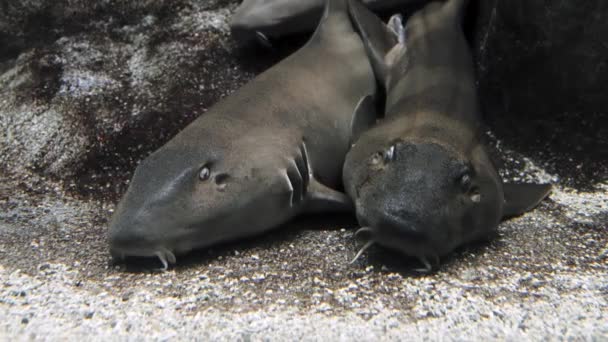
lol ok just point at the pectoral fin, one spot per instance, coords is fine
(320, 198)
(520, 198)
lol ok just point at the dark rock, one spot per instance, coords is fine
(543, 75)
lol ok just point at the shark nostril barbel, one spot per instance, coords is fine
(363, 249)
(363, 230)
(163, 260)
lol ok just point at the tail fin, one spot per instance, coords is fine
(376, 36)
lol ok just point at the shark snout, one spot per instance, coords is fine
(406, 229)
(137, 236)
(399, 228)
(246, 36)
(382, 214)
(242, 33)
(139, 241)
(130, 235)
(247, 24)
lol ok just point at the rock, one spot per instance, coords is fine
(94, 88)
(544, 53)
(543, 75)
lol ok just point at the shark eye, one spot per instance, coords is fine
(465, 182)
(204, 174)
(389, 154)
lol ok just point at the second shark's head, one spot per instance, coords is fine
(423, 197)
(426, 197)
(421, 180)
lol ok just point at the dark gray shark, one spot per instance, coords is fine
(422, 180)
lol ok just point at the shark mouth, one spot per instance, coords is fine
(165, 255)
(429, 265)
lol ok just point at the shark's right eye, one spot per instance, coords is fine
(204, 174)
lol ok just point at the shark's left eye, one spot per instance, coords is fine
(204, 174)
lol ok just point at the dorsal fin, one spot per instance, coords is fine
(333, 9)
(377, 38)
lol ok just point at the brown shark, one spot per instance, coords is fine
(270, 151)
